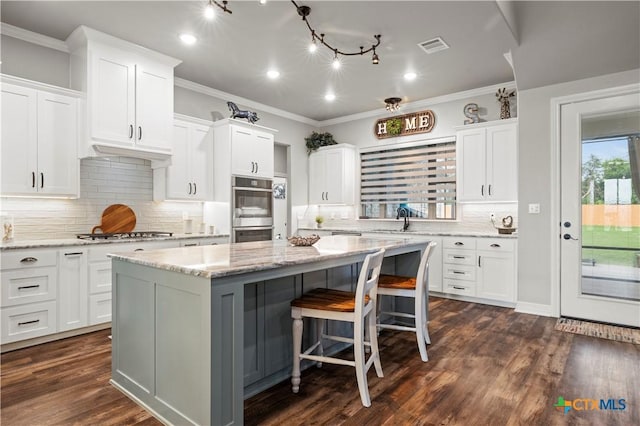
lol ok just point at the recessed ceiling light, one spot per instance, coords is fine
(209, 12)
(330, 97)
(263, 1)
(273, 74)
(410, 76)
(188, 38)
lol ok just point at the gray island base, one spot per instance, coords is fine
(198, 329)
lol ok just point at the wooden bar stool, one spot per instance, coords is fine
(358, 308)
(416, 287)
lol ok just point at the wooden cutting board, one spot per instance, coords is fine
(116, 218)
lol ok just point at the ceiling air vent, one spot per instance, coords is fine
(433, 45)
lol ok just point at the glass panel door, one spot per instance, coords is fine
(600, 229)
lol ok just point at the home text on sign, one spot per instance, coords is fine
(408, 124)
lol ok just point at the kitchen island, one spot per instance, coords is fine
(197, 329)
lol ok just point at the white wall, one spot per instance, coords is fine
(536, 232)
(34, 62)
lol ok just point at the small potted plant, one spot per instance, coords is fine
(316, 140)
(319, 220)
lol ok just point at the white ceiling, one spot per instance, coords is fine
(235, 51)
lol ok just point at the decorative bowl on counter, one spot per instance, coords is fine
(299, 241)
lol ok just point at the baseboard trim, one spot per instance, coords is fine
(534, 309)
(21, 344)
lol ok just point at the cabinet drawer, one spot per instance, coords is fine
(99, 308)
(459, 257)
(100, 253)
(28, 285)
(496, 244)
(28, 259)
(459, 272)
(28, 321)
(459, 287)
(100, 277)
(459, 243)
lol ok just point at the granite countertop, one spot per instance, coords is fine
(231, 259)
(65, 242)
(409, 233)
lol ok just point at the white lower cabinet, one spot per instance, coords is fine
(480, 267)
(72, 289)
(29, 291)
(496, 270)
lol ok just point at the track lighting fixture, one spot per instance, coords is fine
(392, 104)
(209, 11)
(304, 12)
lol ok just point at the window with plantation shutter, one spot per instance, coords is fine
(420, 178)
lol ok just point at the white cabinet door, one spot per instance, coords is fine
(317, 178)
(19, 145)
(154, 107)
(334, 177)
(57, 144)
(72, 289)
(471, 169)
(112, 97)
(496, 276)
(242, 146)
(435, 266)
(179, 185)
(251, 152)
(201, 162)
(502, 163)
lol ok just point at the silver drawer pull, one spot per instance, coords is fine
(139, 249)
(28, 286)
(78, 253)
(191, 245)
(29, 260)
(458, 243)
(459, 288)
(459, 257)
(495, 245)
(29, 322)
(458, 272)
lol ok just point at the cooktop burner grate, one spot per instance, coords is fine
(124, 235)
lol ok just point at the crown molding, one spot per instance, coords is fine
(31, 37)
(205, 90)
(423, 103)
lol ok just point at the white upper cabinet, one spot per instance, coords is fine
(251, 152)
(487, 166)
(190, 175)
(39, 142)
(333, 175)
(129, 89)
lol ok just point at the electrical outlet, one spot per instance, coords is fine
(534, 208)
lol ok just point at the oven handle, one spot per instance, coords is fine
(252, 228)
(243, 188)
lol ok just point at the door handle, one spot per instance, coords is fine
(41, 180)
(130, 131)
(139, 133)
(195, 188)
(569, 237)
(189, 188)
(482, 190)
(33, 179)
(253, 167)
(489, 189)
(257, 167)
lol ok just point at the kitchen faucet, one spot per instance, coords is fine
(404, 213)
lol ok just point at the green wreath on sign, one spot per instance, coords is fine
(394, 126)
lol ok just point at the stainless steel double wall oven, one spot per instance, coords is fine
(252, 209)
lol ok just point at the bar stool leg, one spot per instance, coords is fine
(319, 330)
(420, 319)
(358, 354)
(373, 339)
(297, 346)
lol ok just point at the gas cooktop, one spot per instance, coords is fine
(124, 235)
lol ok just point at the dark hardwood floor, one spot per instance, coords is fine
(488, 366)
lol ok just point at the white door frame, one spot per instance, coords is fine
(555, 230)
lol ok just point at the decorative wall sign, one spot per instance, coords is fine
(408, 124)
(471, 112)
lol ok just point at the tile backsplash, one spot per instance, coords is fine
(103, 181)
